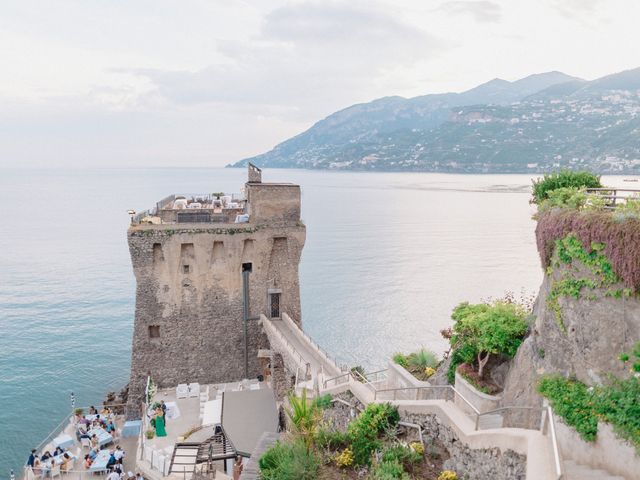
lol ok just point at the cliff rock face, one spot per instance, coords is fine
(585, 341)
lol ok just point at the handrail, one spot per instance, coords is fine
(287, 319)
(345, 374)
(554, 442)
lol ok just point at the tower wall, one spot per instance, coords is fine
(189, 303)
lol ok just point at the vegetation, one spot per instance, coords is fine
(305, 417)
(448, 475)
(582, 407)
(563, 179)
(364, 432)
(569, 250)
(488, 329)
(611, 243)
(625, 357)
(323, 401)
(290, 461)
(374, 430)
(422, 364)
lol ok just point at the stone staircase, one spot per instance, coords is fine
(577, 471)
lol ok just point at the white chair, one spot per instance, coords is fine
(55, 471)
(194, 389)
(85, 442)
(182, 390)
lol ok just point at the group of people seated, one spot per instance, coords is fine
(42, 465)
(116, 456)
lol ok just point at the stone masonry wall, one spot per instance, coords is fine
(189, 290)
(468, 463)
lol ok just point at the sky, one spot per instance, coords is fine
(153, 83)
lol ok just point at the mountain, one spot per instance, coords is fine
(540, 122)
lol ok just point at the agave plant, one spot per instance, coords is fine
(305, 416)
(423, 358)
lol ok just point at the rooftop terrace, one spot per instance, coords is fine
(195, 208)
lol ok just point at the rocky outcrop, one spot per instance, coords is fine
(585, 341)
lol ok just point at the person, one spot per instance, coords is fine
(130, 475)
(92, 410)
(112, 460)
(94, 440)
(64, 464)
(84, 421)
(104, 411)
(164, 408)
(32, 458)
(37, 466)
(82, 432)
(160, 431)
(237, 468)
(114, 475)
(93, 453)
(58, 451)
(110, 427)
(119, 453)
(139, 476)
(87, 460)
(46, 456)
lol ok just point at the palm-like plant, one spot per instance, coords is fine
(423, 358)
(305, 417)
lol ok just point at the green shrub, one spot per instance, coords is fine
(571, 400)
(563, 179)
(406, 456)
(489, 329)
(289, 461)
(323, 401)
(391, 470)
(422, 359)
(332, 439)
(358, 373)
(581, 407)
(364, 431)
(462, 354)
(619, 404)
(401, 359)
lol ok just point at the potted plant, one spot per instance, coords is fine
(150, 434)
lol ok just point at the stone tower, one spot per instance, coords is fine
(193, 258)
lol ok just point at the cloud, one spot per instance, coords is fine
(572, 8)
(308, 57)
(481, 10)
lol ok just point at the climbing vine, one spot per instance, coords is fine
(568, 250)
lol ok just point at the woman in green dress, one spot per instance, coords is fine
(160, 431)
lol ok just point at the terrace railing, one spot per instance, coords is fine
(615, 196)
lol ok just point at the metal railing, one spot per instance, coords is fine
(346, 375)
(612, 194)
(554, 443)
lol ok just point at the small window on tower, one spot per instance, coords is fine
(154, 332)
(185, 268)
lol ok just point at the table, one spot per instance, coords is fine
(100, 462)
(173, 411)
(103, 437)
(131, 428)
(91, 418)
(63, 441)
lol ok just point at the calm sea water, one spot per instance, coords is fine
(387, 257)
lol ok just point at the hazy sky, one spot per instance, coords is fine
(206, 83)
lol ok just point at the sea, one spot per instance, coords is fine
(387, 257)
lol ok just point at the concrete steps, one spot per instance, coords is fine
(577, 471)
(487, 422)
